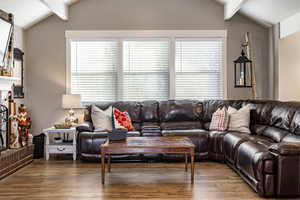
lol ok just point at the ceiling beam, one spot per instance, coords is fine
(59, 7)
(232, 7)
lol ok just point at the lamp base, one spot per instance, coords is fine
(71, 117)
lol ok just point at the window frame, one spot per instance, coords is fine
(223, 67)
(153, 38)
(125, 35)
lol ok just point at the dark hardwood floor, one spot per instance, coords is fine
(68, 180)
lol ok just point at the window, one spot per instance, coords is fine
(146, 70)
(94, 70)
(146, 65)
(199, 69)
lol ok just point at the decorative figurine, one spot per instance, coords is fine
(14, 134)
(24, 125)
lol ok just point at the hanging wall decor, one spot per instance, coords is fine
(18, 89)
(242, 72)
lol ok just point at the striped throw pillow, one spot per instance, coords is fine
(220, 120)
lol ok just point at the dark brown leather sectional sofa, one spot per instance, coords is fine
(268, 159)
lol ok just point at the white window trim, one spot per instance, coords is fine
(144, 34)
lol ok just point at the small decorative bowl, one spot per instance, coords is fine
(63, 125)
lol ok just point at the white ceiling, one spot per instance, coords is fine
(268, 12)
(28, 12)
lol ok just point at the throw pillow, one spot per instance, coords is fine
(239, 119)
(122, 120)
(101, 118)
(220, 120)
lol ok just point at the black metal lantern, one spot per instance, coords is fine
(242, 72)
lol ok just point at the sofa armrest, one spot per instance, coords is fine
(285, 148)
(85, 127)
(287, 177)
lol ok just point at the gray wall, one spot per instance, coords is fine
(46, 53)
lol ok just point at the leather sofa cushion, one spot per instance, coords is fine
(191, 132)
(199, 137)
(132, 107)
(216, 141)
(89, 142)
(149, 111)
(103, 134)
(251, 158)
(286, 148)
(133, 133)
(261, 112)
(150, 126)
(257, 129)
(151, 133)
(206, 125)
(282, 115)
(150, 129)
(184, 125)
(262, 140)
(85, 127)
(231, 142)
(291, 138)
(295, 124)
(274, 133)
(180, 110)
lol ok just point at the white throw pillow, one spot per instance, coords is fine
(102, 119)
(239, 120)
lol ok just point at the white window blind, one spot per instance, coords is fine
(94, 70)
(145, 70)
(198, 69)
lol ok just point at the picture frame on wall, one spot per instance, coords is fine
(18, 88)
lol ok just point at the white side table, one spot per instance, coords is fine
(60, 148)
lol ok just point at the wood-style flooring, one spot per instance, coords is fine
(67, 180)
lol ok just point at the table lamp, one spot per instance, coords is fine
(70, 101)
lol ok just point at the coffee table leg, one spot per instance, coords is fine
(103, 167)
(186, 162)
(192, 167)
(108, 162)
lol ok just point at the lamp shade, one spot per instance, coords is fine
(71, 101)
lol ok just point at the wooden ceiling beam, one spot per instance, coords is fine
(59, 7)
(232, 7)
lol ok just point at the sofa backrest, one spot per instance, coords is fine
(277, 120)
(150, 111)
(180, 110)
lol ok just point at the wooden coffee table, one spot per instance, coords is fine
(149, 145)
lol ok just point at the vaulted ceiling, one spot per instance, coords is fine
(265, 12)
(29, 12)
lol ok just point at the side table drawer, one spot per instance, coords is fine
(57, 149)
